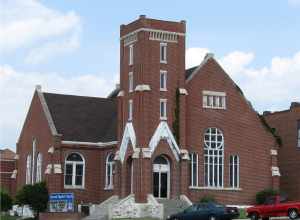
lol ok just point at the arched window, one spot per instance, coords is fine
(74, 171)
(38, 168)
(213, 157)
(109, 164)
(28, 169)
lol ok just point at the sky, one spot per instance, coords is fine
(72, 47)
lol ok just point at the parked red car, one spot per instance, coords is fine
(274, 207)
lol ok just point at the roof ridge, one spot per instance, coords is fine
(81, 96)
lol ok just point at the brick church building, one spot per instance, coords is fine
(165, 133)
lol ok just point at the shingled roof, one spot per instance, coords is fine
(81, 118)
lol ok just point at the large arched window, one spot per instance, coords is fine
(109, 164)
(213, 157)
(28, 169)
(38, 168)
(74, 171)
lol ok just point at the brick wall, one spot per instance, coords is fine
(285, 123)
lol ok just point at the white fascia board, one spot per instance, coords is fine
(128, 135)
(152, 30)
(46, 111)
(143, 87)
(97, 144)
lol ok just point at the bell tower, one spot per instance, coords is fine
(152, 70)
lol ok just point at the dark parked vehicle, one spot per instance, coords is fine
(206, 211)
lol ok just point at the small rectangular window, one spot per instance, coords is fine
(234, 171)
(163, 80)
(130, 54)
(130, 109)
(298, 133)
(130, 82)
(163, 52)
(215, 100)
(163, 109)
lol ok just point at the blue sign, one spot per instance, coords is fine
(61, 202)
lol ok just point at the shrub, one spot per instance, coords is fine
(5, 201)
(264, 194)
(36, 196)
(207, 198)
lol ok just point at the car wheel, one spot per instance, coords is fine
(254, 216)
(293, 214)
(212, 217)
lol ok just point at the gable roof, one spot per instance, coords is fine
(84, 119)
(7, 154)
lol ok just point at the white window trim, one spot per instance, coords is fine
(165, 73)
(207, 95)
(33, 161)
(163, 45)
(163, 117)
(130, 82)
(39, 162)
(74, 163)
(130, 55)
(192, 170)
(28, 169)
(111, 164)
(130, 110)
(235, 175)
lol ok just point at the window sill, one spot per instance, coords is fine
(74, 187)
(211, 107)
(163, 118)
(108, 188)
(163, 90)
(215, 188)
(163, 61)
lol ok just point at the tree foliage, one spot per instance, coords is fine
(264, 194)
(5, 201)
(36, 196)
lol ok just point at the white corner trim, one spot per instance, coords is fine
(163, 132)
(143, 87)
(274, 152)
(206, 58)
(51, 150)
(46, 110)
(96, 144)
(14, 174)
(186, 199)
(275, 171)
(17, 157)
(182, 91)
(48, 169)
(57, 169)
(121, 93)
(128, 135)
(146, 153)
(185, 154)
(136, 153)
(213, 93)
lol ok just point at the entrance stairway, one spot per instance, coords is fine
(172, 206)
(101, 211)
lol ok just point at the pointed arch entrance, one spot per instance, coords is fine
(161, 177)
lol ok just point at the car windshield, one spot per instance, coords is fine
(192, 208)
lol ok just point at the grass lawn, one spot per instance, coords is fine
(7, 217)
(243, 214)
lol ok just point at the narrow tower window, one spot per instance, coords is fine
(298, 133)
(194, 169)
(163, 109)
(163, 80)
(130, 81)
(109, 171)
(130, 108)
(28, 169)
(163, 52)
(130, 54)
(38, 177)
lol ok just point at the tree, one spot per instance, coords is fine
(264, 194)
(36, 196)
(5, 201)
